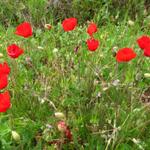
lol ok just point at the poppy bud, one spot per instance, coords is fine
(59, 115)
(15, 136)
(47, 26)
(1, 55)
(147, 75)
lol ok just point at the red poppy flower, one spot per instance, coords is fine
(3, 81)
(92, 28)
(14, 51)
(24, 30)
(143, 41)
(68, 134)
(69, 24)
(62, 126)
(125, 55)
(92, 44)
(4, 101)
(147, 51)
(4, 68)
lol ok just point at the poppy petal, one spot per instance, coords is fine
(24, 30)
(3, 81)
(14, 51)
(143, 41)
(69, 24)
(92, 28)
(125, 55)
(92, 44)
(4, 101)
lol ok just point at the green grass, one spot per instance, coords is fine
(45, 11)
(75, 83)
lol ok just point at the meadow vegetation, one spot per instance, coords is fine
(99, 98)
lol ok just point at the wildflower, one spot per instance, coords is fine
(14, 51)
(92, 28)
(69, 24)
(49, 126)
(4, 68)
(116, 82)
(131, 23)
(92, 44)
(62, 126)
(55, 50)
(3, 81)
(125, 55)
(4, 101)
(15, 136)
(24, 30)
(40, 47)
(147, 51)
(143, 41)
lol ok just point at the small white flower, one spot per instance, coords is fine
(131, 23)
(42, 100)
(49, 126)
(55, 50)
(136, 141)
(99, 94)
(105, 88)
(116, 82)
(40, 47)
